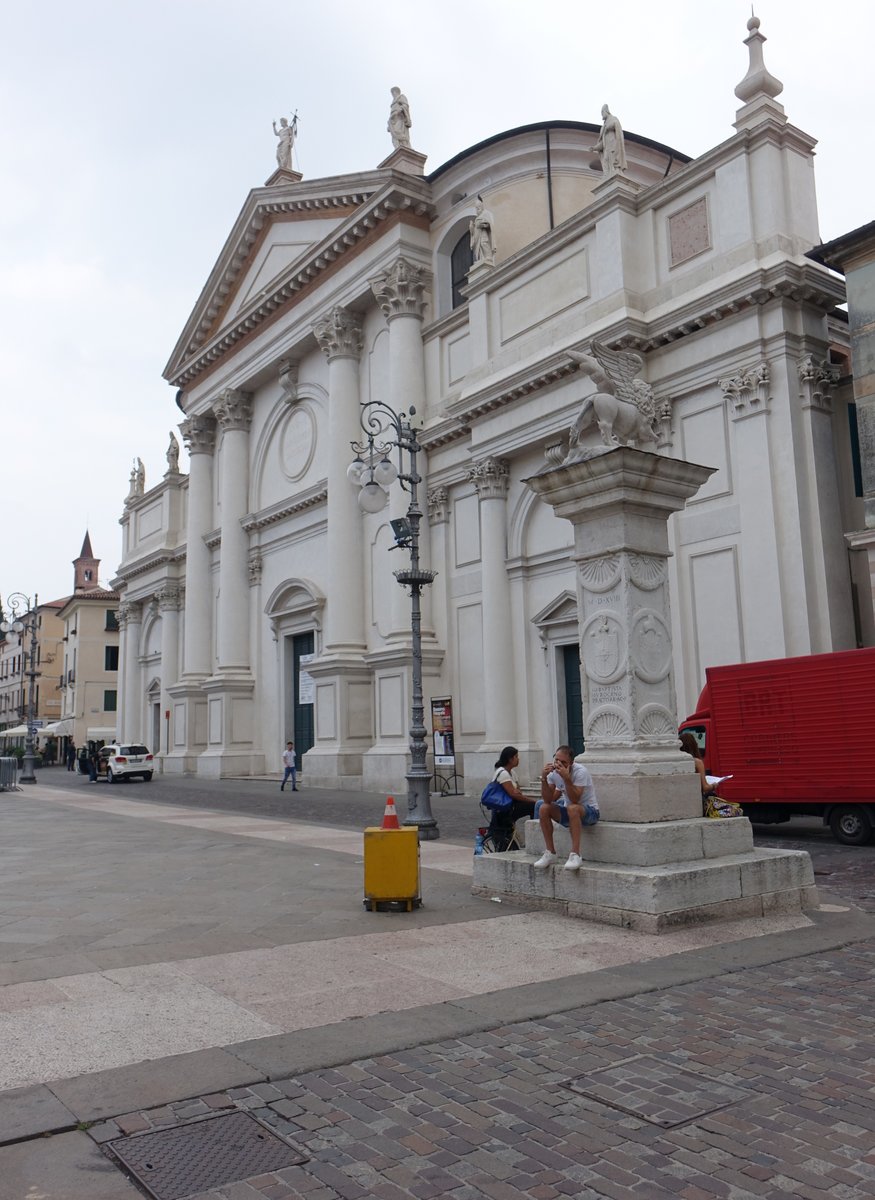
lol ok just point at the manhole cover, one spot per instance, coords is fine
(189, 1159)
(658, 1092)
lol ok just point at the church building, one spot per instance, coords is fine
(258, 600)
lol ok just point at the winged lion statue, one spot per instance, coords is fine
(622, 406)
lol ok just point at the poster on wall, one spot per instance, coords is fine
(306, 683)
(442, 732)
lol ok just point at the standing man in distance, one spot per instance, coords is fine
(289, 767)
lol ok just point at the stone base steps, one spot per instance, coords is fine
(671, 874)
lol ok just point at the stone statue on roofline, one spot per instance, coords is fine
(286, 134)
(399, 119)
(610, 147)
(622, 407)
(481, 230)
(173, 455)
(138, 480)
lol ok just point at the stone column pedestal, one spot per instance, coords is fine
(674, 866)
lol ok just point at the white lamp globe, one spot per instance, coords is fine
(372, 498)
(385, 473)
(354, 472)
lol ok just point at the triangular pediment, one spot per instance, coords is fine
(558, 611)
(282, 244)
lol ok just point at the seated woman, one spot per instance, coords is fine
(501, 824)
(691, 746)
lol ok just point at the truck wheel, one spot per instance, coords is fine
(851, 825)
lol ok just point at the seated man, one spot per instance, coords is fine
(567, 797)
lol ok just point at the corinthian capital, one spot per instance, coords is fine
(490, 478)
(817, 378)
(130, 612)
(167, 598)
(339, 334)
(199, 434)
(401, 291)
(233, 409)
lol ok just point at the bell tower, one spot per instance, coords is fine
(85, 567)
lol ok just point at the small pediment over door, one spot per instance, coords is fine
(557, 617)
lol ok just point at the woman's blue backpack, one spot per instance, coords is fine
(494, 797)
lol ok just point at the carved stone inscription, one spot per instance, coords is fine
(625, 644)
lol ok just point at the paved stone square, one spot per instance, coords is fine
(491, 1115)
(164, 965)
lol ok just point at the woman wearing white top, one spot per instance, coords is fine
(503, 820)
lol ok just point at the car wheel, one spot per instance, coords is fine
(147, 776)
(110, 778)
(851, 825)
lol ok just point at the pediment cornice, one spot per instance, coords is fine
(362, 203)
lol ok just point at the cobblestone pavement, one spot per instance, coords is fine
(756, 1084)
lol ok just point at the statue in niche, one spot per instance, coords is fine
(399, 119)
(286, 134)
(481, 229)
(173, 455)
(622, 406)
(609, 147)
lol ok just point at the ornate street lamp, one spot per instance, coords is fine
(24, 620)
(373, 472)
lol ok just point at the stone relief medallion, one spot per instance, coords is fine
(646, 573)
(600, 574)
(602, 648)
(657, 723)
(297, 443)
(608, 723)
(651, 647)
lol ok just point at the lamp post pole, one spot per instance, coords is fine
(372, 472)
(22, 625)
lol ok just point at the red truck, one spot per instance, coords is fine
(797, 735)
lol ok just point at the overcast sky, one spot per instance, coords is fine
(134, 129)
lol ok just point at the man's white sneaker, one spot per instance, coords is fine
(575, 862)
(546, 860)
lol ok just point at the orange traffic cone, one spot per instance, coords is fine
(390, 817)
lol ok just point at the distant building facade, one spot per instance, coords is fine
(89, 682)
(258, 600)
(14, 665)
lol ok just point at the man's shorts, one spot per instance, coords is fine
(590, 814)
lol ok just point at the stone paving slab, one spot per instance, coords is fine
(29, 1112)
(103, 1094)
(67, 1167)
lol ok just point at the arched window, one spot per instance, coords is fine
(461, 261)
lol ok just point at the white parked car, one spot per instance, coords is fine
(124, 761)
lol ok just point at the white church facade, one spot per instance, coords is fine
(258, 601)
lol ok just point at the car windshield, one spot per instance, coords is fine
(132, 750)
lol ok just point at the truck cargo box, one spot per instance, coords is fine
(796, 734)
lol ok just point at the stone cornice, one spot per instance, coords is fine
(157, 558)
(311, 498)
(512, 385)
(798, 283)
(201, 344)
